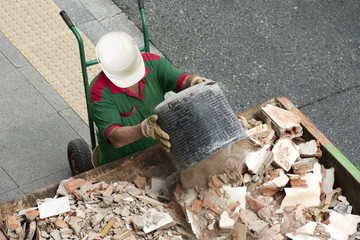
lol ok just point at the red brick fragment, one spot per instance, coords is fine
(109, 190)
(74, 184)
(12, 222)
(268, 190)
(254, 203)
(234, 205)
(215, 210)
(60, 224)
(215, 188)
(31, 214)
(298, 182)
(197, 205)
(178, 190)
(140, 182)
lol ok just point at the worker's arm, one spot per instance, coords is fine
(121, 136)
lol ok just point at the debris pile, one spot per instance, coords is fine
(97, 210)
(278, 191)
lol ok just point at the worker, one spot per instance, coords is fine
(125, 93)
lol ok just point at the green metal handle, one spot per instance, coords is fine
(141, 4)
(66, 19)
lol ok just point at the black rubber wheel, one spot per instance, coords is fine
(79, 156)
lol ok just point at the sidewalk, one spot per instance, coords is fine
(37, 120)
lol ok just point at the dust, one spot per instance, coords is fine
(226, 159)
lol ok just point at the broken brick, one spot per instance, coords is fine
(74, 184)
(197, 205)
(109, 190)
(31, 214)
(140, 182)
(60, 224)
(12, 222)
(254, 203)
(285, 153)
(268, 190)
(215, 209)
(297, 182)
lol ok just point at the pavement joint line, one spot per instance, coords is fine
(10, 177)
(331, 95)
(39, 179)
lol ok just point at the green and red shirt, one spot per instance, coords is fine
(112, 106)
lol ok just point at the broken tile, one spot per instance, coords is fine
(236, 194)
(280, 181)
(307, 196)
(257, 162)
(285, 153)
(154, 220)
(52, 207)
(328, 181)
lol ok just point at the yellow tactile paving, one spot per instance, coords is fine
(37, 30)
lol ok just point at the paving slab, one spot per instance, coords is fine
(43, 87)
(37, 155)
(47, 180)
(21, 101)
(101, 9)
(94, 30)
(5, 65)
(75, 10)
(78, 124)
(7, 183)
(11, 52)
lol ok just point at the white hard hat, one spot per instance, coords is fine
(120, 59)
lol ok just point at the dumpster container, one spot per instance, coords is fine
(155, 162)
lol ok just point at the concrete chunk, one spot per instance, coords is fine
(285, 123)
(310, 149)
(256, 227)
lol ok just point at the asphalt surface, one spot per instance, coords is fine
(307, 51)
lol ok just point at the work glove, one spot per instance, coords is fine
(150, 128)
(197, 80)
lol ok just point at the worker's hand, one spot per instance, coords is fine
(197, 80)
(150, 128)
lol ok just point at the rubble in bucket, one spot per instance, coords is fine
(278, 191)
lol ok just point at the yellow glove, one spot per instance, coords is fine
(197, 80)
(150, 128)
